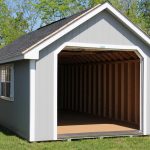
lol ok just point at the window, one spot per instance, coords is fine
(6, 82)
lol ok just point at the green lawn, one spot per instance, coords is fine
(9, 141)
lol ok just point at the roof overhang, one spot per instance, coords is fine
(10, 59)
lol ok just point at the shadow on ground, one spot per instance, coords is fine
(6, 131)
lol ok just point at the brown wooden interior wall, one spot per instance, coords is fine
(109, 90)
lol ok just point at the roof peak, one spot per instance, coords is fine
(80, 12)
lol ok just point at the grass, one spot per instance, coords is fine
(9, 141)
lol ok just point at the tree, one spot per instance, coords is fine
(92, 3)
(52, 10)
(144, 8)
(26, 7)
(11, 27)
(138, 11)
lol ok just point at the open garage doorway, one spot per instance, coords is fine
(98, 93)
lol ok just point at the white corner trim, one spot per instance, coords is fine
(32, 100)
(145, 99)
(55, 98)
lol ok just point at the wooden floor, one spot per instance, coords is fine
(72, 124)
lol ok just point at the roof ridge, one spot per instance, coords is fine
(67, 17)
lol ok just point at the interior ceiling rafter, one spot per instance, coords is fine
(93, 56)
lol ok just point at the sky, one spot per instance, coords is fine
(12, 6)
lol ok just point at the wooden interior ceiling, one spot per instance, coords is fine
(68, 56)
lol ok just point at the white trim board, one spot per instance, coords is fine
(34, 54)
(32, 100)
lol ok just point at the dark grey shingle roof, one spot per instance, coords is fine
(24, 42)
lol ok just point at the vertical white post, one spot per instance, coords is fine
(55, 94)
(141, 93)
(32, 100)
(55, 97)
(145, 99)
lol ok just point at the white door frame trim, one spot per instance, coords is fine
(32, 70)
(105, 47)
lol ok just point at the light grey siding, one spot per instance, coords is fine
(15, 115)
(101, 29)
(44, 99)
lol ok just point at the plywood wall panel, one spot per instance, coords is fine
(126, 91)
(113, 91)
(138, 93)
(69, 87)
(61, 96)
(133, 91)
(116, 92)
(76, 87)
(94, 89)
(89, 88)
(119, 91)
(65, 87)
(122, 91)
(73, 87)
(109, 90)
(129, 91)
(99, 89)
(85, 89)
(104, 91)
(80, 87)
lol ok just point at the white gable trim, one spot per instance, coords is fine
(129, 24)
(78, 21)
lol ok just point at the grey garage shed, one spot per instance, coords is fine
(80, 75)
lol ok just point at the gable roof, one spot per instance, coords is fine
(24, 42)
(27, 42)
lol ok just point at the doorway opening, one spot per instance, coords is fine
(98, 93)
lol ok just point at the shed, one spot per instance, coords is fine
(84, 75)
